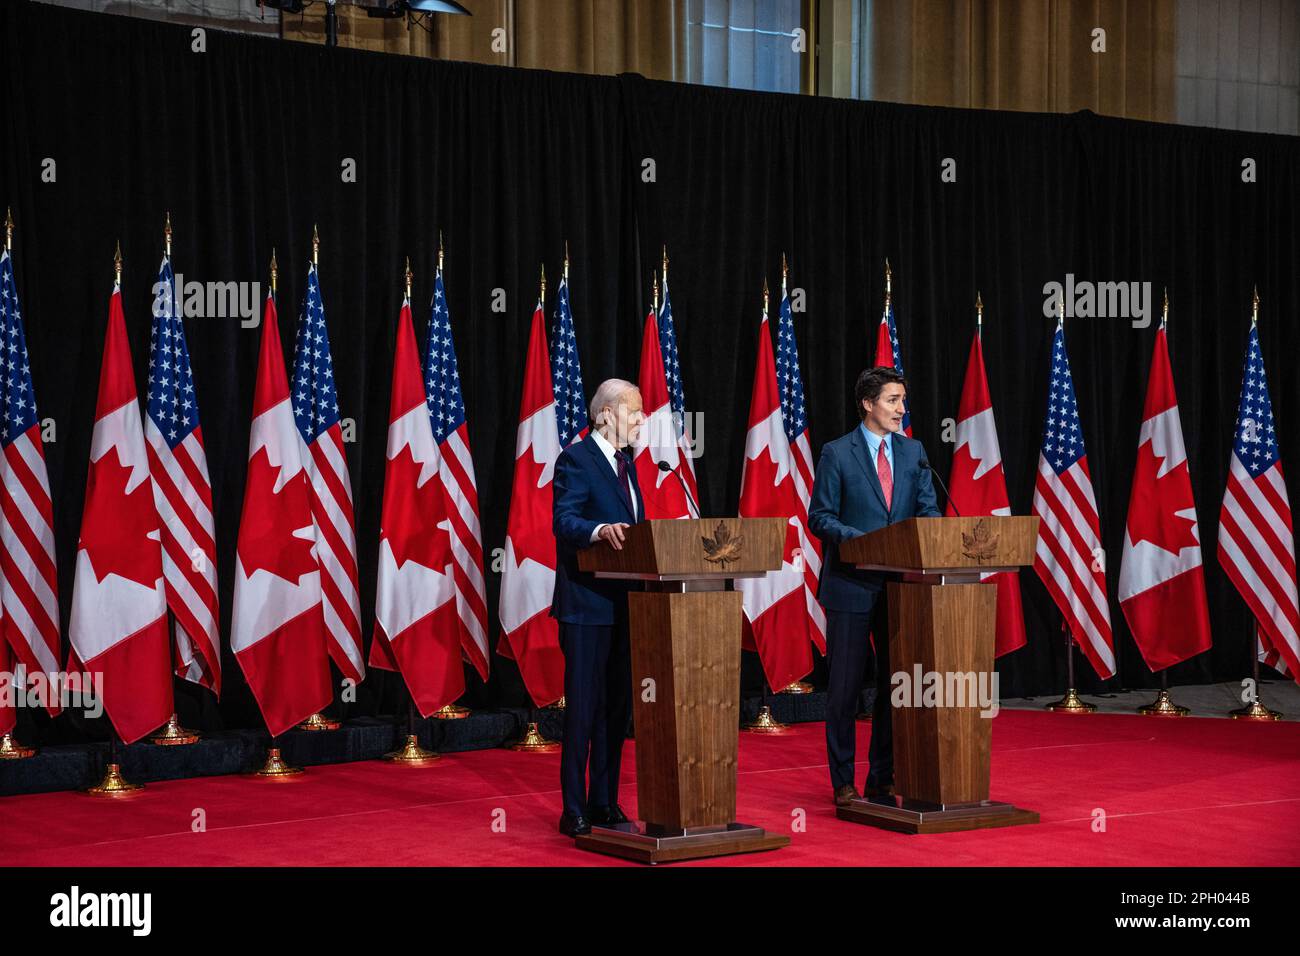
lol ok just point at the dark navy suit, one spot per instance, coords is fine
(847, 501)
(593, 627)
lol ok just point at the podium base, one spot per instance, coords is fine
(913, 816)
(632, 841)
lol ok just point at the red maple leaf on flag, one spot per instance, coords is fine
(266, 536)
(116, 524)
(411, 513)
(1152, 514)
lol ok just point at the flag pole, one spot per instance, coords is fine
(1071, 703)
(172, 733)
(1255, 710)
(11, 749)
(564, 280)
(532, 740)
(1163, 705)
(275, 765)
(979, 316)
(318, 721)
(114, 784)
(764, 722)
(798, 686)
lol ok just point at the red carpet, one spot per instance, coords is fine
(1192, 792)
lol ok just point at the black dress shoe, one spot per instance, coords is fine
(573, 826)
(880, 790)
(610, 816)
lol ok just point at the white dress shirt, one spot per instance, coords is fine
(607, 449)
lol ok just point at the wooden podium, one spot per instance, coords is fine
(942, 622)
(685, 633)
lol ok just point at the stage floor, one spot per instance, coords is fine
(1172, 792)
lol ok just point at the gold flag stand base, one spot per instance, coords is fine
(11, 749)
(319, 722)
(1163, 706)
(533, 742)
(797, 687)
(412, 754)
(275, 768)
(174, 735)
(1255, 711)
(113, 784)
(1072, 703)
(765, 723)
(451, 712)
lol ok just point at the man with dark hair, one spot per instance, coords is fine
(865, 480)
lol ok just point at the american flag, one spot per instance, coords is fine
(566, 371)
(450, 431)
(794, 416)
(1068, 555)
(182, 492)
(1256, 543)
(28, 581)
(676, 394)
(316, 413)
(887, 353)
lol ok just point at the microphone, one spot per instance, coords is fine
(934, 474)
(690, 499)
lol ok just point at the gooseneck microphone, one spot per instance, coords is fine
(934, 474)
(664, 466)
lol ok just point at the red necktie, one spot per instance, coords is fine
(886, 476)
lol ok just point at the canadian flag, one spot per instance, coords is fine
(417, 625)
(776, 609)
(277, 626)
(528, 575)
(662, 493)
(118, 628)
(1161, 583)
(978, 486)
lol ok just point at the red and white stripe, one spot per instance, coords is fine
(1257, 550)
(456, 472)
(1069, 558)
(29, 601)
(336, 550)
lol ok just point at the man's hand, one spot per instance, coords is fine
(613, 533)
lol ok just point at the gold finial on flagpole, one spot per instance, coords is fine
(315, 246)
(566, 259)
(1254, 306)
(1060, 312)
(439, 250)
(979, 314)
(167, 234)
(117, 263)
(409, 277)
(889, 276)
(1164, 310)
(274, 270)
(9, 229)
(656, 293)
(665, 265)
(785, 271)
(541, 296)
(764, 296)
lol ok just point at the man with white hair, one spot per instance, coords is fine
(596, 498)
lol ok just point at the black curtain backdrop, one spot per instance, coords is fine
(244, 145)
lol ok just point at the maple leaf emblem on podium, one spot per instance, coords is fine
(979, 545)
(722, 548)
